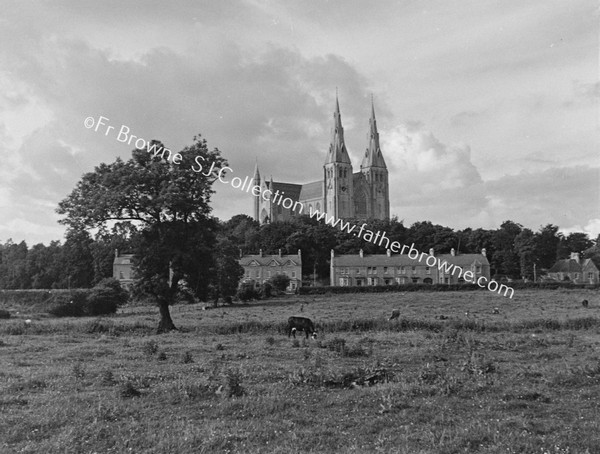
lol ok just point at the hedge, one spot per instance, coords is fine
(438, 287)
(103, 299)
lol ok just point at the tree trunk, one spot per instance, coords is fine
(166, 323)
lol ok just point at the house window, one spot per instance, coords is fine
(372, 281)
(415, 280)
(121, 275)
(414, 270)
(359, 282)
(388, 281)
(269, 273)
(591, 276)
(427, 270)
(402, 270)
(478, 269)
(385, 270)
(293, 274)
(257, 273)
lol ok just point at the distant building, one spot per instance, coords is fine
(387, 269)
(575, 270)
(259, 268)
(123, 269)
(339, 191)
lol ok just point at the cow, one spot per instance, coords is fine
(585, 303)
(395, 314)
(301, 324)
(496, 310)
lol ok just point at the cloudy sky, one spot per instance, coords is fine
(487, 110)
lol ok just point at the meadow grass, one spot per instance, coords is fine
(448, 376)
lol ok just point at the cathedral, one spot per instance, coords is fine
(341, 192)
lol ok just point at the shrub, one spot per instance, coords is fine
(103, 299)
(4, 314)
(247, 293)
(280, 282)
(266, 290)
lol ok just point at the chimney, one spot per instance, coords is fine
(299, 254)
(361, 253)
(332, 254)
(260, 252)
(241, 255)
(279, 253)
(575, 256)
(431, 252)
(389, 253)
(116, 253)
(483, 252)
(452, 252)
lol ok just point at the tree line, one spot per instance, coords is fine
(512, 249)
(84, 260)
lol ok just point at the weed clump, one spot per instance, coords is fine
(108, 378)
(4, 313)
(233, 384)
(78, 371)
(128, 390)
(187, 358)
(150, 347)
(162, 356)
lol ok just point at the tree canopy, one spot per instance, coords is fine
(169, 203)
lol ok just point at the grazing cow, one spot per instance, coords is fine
(496, 310)
(395, 314)
(301, 324)
(585, 303)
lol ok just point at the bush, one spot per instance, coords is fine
(280, 282)
(247, 293)
(4, 314)
(103, 299)
(265, 290)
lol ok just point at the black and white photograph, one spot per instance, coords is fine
(320, 226)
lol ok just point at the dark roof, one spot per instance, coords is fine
(265, 260)
(123, 259)
(291, 190)
(311, 190)
(566, 266)
(462, 260)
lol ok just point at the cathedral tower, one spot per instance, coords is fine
(375, 172)
(257, 197)
(337, 172)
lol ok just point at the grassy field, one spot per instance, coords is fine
(438, 380)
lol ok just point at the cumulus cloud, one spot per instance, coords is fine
(430, 180)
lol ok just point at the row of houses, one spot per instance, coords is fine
(381, 269)
(370, 269)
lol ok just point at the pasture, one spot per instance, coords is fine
(448, 376)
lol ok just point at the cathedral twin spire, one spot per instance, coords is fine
(337, 149)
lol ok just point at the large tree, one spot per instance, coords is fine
(167, 197)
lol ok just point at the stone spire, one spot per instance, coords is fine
(373, 156)
(337, 148)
